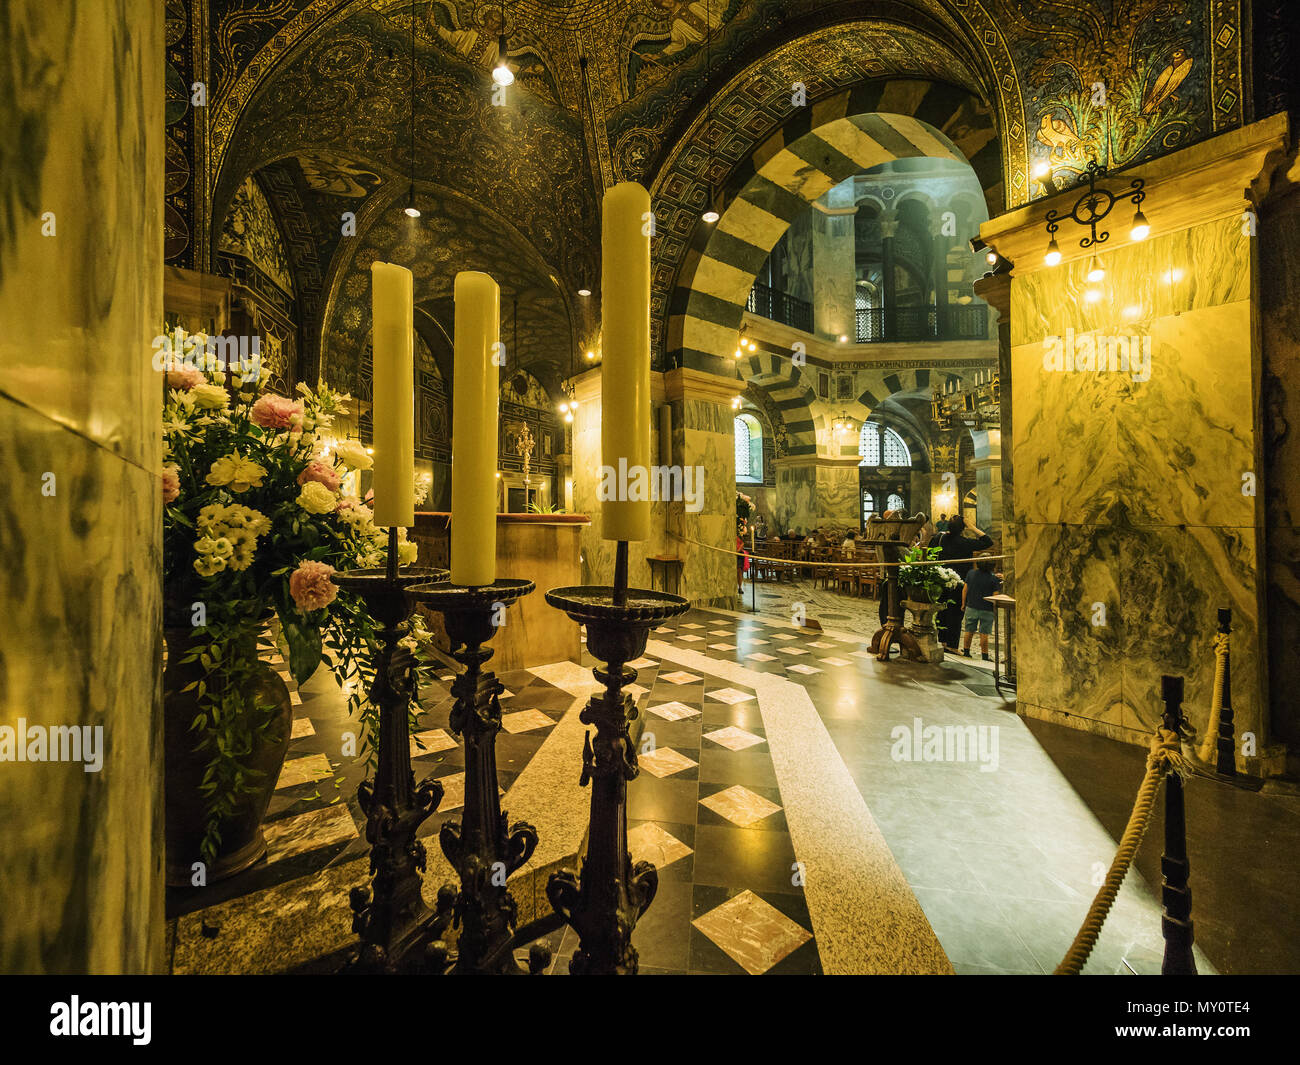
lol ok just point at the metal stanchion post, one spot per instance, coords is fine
(1175, 894)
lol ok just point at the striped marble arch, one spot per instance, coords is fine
(814, 151)
(783, 382)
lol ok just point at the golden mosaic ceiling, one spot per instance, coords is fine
(324, 84)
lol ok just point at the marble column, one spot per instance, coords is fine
(1279, 250)
(988, 480)
(889, 294)
(1139, 454)
(703, 446)
(834, 263)
(995, 290)
(80, 416)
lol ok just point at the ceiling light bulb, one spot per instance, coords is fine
(563, 407)
(710, 215)
(843, 339)
(1141, 227)
(502, 74)
(411, 210)
(991, 258)
(1095, 271)
(584, 292)
(569, 417)
(736, 354)
(753, 346)
(591, 355)
(1053, 255)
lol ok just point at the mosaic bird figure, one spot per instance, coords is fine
(1057, 134)
(1180, 65)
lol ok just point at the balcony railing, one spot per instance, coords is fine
(876, 325)
(780, 307)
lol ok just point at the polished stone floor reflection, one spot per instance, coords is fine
(800, 817)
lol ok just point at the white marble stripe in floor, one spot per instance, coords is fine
(865, 917)
(1004, 863)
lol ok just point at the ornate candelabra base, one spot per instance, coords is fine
(395, 926)
(483, 851)
(603, 902)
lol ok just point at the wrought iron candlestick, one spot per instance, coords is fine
(391, 917)
(603, 902)
(479, 846)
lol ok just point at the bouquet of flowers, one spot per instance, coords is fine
(255, 523)
(917, 571)
(744, 506)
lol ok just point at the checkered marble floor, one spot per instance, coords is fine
(706, 809)
(1000, 863)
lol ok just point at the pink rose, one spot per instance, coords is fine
(311, 587)
(171, 484)
(348, 503)
(321, 472)
(276, 412)
(184, 377)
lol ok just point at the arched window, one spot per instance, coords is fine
(749, 449)
(877, 441)
(894, 502)
(869, 444)
(868, 506)
(896, 453)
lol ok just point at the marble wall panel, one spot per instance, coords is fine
(1204, 266)
(80, 632)
(1130, 492)
(80, 645)
(80, 227)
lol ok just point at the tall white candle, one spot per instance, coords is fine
(625, 373)
(475, 400)
(393, 410)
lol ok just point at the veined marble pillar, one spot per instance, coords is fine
(703, 447)
(816, 490)
(834, 263)
(988, 480)
(80, 412)
(889, 294)
(1139, 454)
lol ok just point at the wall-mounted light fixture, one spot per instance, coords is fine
(502, 74)
(1090, 209)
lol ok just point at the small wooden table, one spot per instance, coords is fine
(663, 566)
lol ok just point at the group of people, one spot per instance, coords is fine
(967, 609)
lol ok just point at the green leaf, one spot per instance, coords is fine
(304, 648)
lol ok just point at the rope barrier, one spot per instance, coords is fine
(1208, 747)
(837, 565)
(1165, 755)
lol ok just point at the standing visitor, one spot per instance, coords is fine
(957, 543)
(981, 582)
